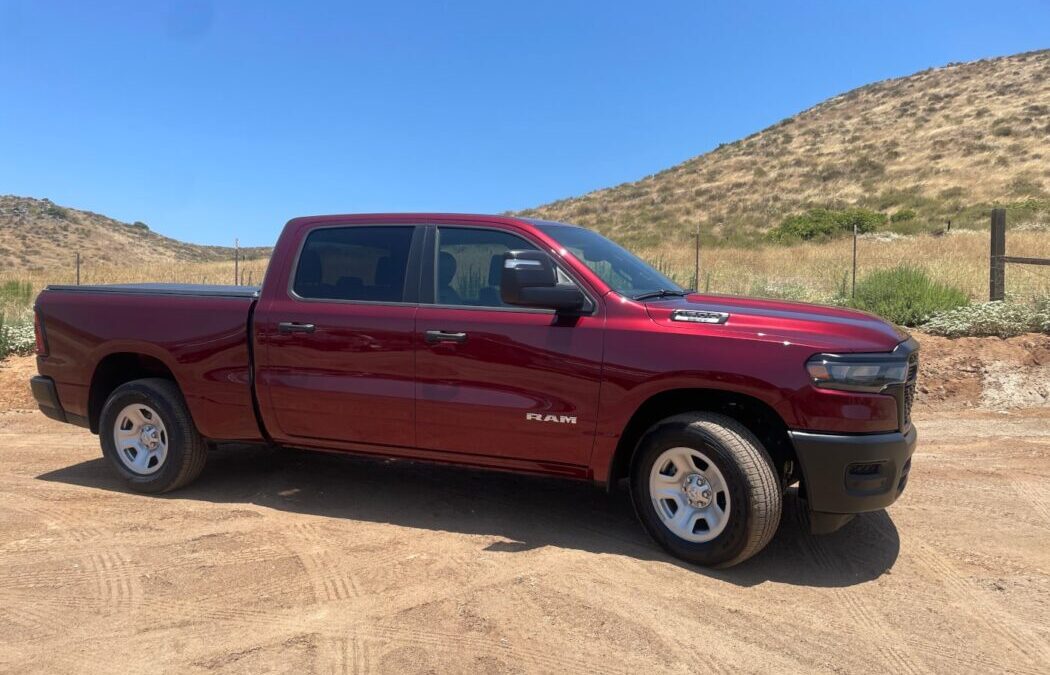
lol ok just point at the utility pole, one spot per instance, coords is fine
(78, 268)
(236, 262)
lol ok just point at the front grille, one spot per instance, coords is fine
(909, 387)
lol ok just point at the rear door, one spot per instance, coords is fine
(495, 380)
(335, 359)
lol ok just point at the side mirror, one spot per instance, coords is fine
(530, 280)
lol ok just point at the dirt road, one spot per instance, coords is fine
(301, 563)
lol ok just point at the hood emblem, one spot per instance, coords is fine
(699, 316)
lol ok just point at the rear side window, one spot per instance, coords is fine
(354, 263)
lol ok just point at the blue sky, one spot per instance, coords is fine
(215, 120)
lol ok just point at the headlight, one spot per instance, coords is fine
(871, 373)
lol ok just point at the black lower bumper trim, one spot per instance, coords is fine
(852, 474)
(46, 395)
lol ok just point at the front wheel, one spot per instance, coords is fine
(705, 489)
(148, 436)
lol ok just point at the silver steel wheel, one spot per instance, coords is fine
(140, 439)
(689, 494)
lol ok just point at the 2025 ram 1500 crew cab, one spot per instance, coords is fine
(497, 342)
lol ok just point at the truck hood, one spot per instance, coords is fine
(824, 328)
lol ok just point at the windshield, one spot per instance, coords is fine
(624, 272)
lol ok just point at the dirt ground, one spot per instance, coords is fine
(324, 563)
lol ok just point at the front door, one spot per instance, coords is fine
(496, 380)
(335, 352)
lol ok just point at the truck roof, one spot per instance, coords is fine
(379, 218)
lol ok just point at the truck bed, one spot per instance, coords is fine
(196, 334)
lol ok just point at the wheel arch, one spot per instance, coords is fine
(756, 415)
(116, 369)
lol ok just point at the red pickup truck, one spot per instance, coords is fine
(504, 343)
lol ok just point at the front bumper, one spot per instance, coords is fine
(844, 475)
(46, 395)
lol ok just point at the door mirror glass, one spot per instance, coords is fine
(530, 279)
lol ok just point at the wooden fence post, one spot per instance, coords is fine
(78, 268)
(236, 262)
(853, 292)
(696, 269)
(997, 250)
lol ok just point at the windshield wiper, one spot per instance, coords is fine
(661, 293)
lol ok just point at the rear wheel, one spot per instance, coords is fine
(148, 436)
(705, 489)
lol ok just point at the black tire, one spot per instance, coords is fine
(187, 451)
(754, 491)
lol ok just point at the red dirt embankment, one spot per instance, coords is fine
(984, 372)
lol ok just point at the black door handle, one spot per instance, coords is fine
(287, 327)
(434, 336)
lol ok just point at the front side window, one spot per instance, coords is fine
(354, 263)
(470, 263)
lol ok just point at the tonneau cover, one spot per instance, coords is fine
(165, 289)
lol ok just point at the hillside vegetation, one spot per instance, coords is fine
(909, 154)
(37, 234)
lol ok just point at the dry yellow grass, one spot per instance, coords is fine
(814, 272)
(220, 272)
(817, 271)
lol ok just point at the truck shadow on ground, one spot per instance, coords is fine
(524, 512)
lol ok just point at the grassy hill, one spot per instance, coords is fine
(945, 143)
(37, 234)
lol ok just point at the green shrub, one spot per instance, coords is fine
(56, 211)
(814, 224)
(902, 215)
(16, 338)
(905, 295)
(991, 319)
(865, 219)
(820, 224)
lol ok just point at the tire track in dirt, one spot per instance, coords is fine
(38, 619)
(362, 635)
(940, 650)
(743, 629)
(328, 577)
(117, 585)
(342, 655)
(54, 516)
(207, 615)
(980, 609)
(529, 658)
(964, 656)
(265, 553)
(361, 661)
(882, 637)
(1033, 495)
(39, 576)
